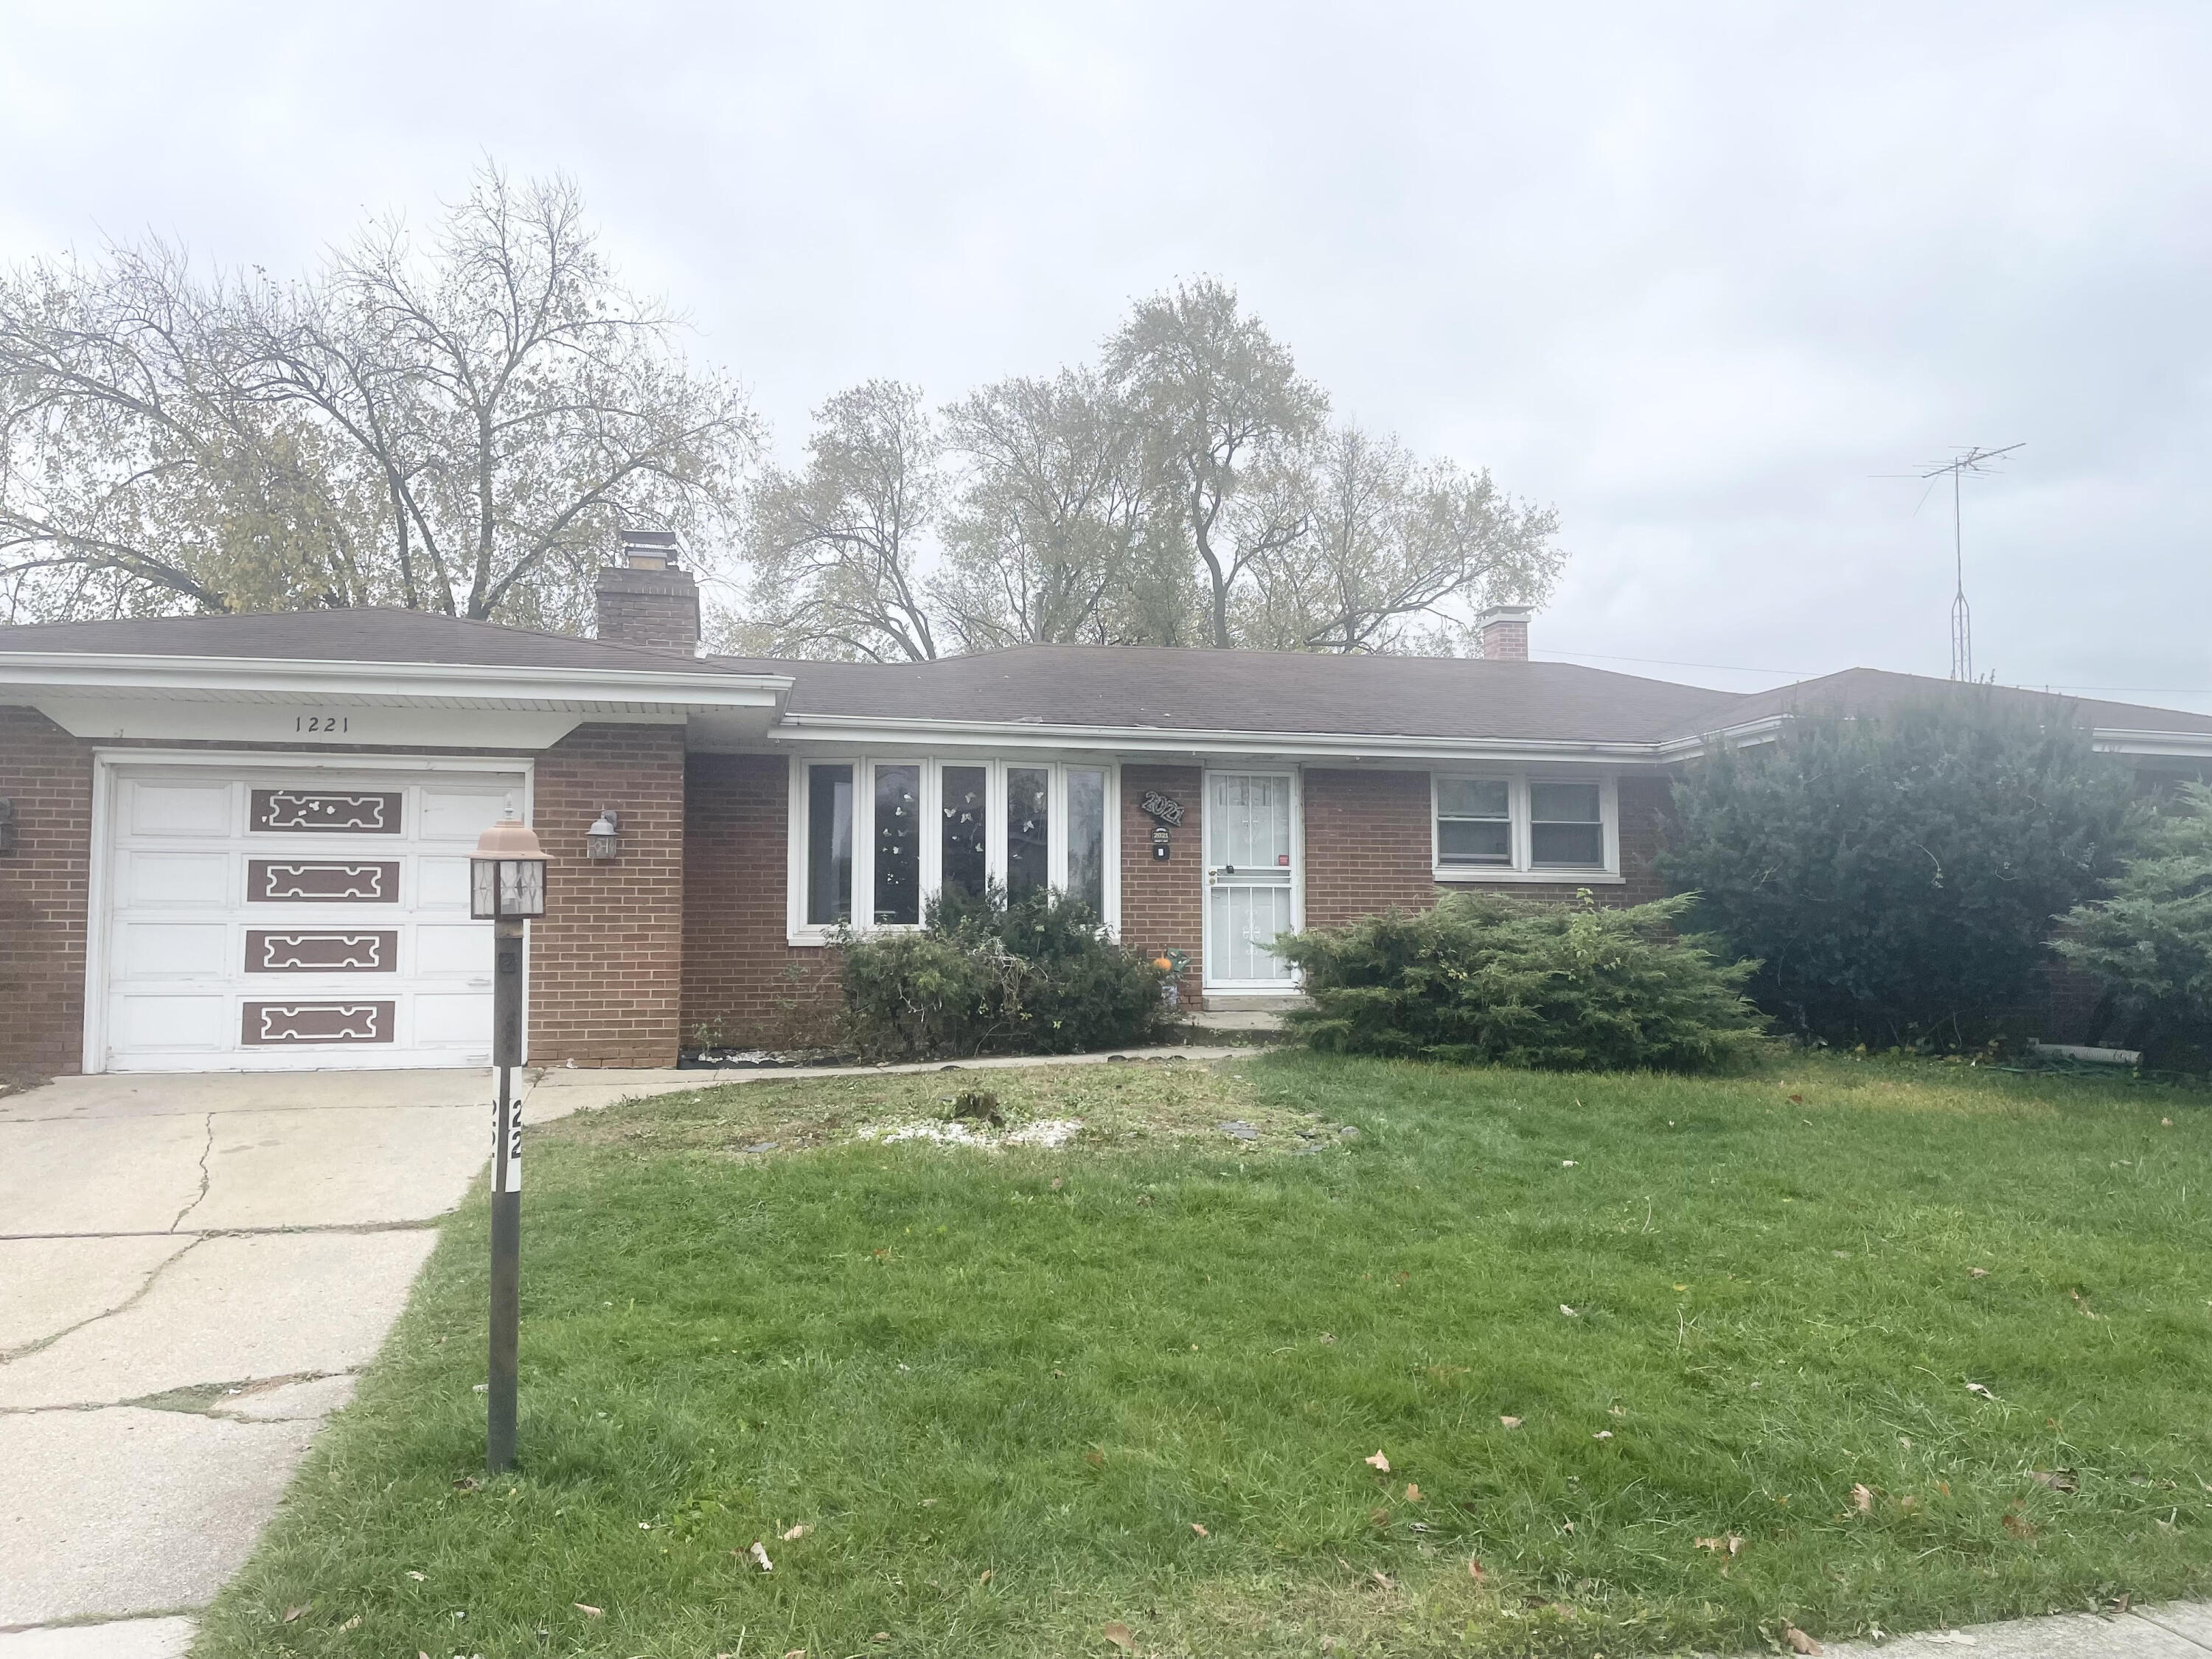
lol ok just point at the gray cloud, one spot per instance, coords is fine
(1699, 275)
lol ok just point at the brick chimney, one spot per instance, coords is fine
(647, 598)
(1504, 630)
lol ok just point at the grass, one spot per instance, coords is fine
(1004, 1390)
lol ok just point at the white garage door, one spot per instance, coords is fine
(288, 919)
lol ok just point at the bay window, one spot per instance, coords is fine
(1507, 826)
(897, 830)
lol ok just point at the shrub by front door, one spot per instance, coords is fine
(1251, 877)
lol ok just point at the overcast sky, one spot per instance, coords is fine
(1699, 275)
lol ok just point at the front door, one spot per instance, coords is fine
(1251, 876)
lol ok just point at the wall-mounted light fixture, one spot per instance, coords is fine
(601, 841)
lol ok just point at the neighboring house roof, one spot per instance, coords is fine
(1875, 692)
(1155, 688)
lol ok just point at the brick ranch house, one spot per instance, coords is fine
(240, 842)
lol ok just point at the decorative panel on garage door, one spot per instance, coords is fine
(256, 921)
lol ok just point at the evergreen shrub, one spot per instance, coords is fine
(2150, 943)
(984, 975)
(1524, 983)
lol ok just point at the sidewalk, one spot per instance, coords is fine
(2178, 1629)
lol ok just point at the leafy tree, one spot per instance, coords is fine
(1898, 879)
(456, 424)
(1224, 412)
(2150, 942)
(1060, 534)
(1521, 982)
(1395, 556)
(837, 547)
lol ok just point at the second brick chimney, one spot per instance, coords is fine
(646, 598)
(1504, 633)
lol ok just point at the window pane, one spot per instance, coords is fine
(1086, 838)
(1563, 803)
(898, 845)
(828, 845)
(1463, 840)
(962, 828)
(1579, 845)
(1470, 797)
(1028, 797)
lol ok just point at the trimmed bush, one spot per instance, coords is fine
(985, 976)
(1898, 879)
(1522, 982)
(2150, 943)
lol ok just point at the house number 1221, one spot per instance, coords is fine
(321, 723)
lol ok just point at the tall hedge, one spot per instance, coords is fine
(1522, 982)
(1898, 879)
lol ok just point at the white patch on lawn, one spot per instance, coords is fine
(956, 1131)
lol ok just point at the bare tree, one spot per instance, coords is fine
(454, 426)
(837, 547)
(1225, 411)
(1054, 535)
(1396, 555)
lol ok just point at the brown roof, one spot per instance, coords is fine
(370, 634)
(1176, 689)
(1875, 692)
(1122, 687)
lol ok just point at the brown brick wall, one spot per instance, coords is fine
(1162, 902)
(607, 964)
(44, 890)
(741, 979)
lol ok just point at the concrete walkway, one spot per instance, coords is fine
(2177, 1630)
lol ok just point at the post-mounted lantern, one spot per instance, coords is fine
(506, 887)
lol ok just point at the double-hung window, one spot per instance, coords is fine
(874, 839)
(1509, 826)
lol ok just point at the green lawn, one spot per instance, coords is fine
(1004, 1391)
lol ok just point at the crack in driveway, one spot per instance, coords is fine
(128, 1302)
(201, 1196)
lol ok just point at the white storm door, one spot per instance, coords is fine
(1251, 877)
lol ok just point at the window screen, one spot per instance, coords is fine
(1564, 828)
(1474, 822)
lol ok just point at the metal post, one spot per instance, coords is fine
(505, 1197)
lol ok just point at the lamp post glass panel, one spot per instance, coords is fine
(506, 887)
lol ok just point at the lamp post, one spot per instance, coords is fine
(506, 887)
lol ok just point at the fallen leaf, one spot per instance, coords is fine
(2018, 1524)
(1799, 1642)
(1862, 1499)
(1379, 1461)
(353, 1623)
(2057, 1479)
(1978, 1272)
(1096, 1458)
(796, 1653)
(1057, 1183)
(1200, 1530)
(2165, 1123)
(1682, 1287)
(986, 1577)
(1602, 1434)
(1566, 1163)
(881, 1636)
(1726, 1544)
(589, 1611)
(1383, 1581)
(1569, 1525)
(1474, 1571)
(797, 1532)
(1412, 1493)
(1618, 1410)
(1908, 1503)
(1570, 1312)
(1380, 1517)
(759, 1553)
(1981, 1388)
(1118, 1634)
(290, 1613)
(1511, 1422)
(1797, 1100)
(415, 1576)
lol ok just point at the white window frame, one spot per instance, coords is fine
(799, 931)
(1522, 870)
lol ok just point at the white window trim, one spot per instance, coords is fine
(1523, 872)
(799, 932)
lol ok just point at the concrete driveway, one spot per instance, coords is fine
(193, 1271)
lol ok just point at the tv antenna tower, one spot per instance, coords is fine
(1974, 459)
